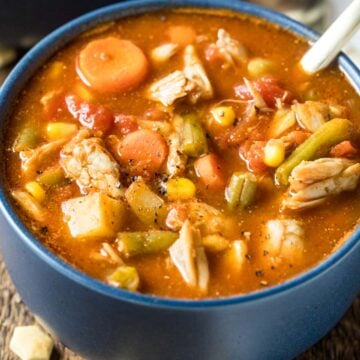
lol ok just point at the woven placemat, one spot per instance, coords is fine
(343, 342)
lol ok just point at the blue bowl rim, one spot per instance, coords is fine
(60, 37)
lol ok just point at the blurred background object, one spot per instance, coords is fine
(314, 13)
(24, 22)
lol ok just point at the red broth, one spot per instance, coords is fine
(232, 241)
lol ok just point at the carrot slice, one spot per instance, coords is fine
(143, 152)
(208, 169)
(112, 65)
(181, 35)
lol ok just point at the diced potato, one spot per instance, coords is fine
(31, 343)
(215, 243)
(235, 256)
(93, 215)
(36, 190)
(146, 205)
(60, 130)
(125, 277)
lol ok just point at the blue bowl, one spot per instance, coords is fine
(101, 322)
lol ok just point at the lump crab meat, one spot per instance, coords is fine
(85, 160)
(312, 114)
(284, 240)
(188, 255)
(195, 73)
(231, 49)
(31, 159)
(312, 182)
(191, 82)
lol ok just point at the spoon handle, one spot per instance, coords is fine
(334, 38)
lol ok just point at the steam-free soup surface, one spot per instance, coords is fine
(186, 155)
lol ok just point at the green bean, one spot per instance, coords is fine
(193, 140)
(317, 145)
(51, 177)
(28, 139)
(146, 205)
(147, 242)
(125, 277)
(241, 190)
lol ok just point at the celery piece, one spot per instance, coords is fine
(51, 177)
(241, 190)
(149, 242)
(125, 277)
(146, 205)
(27, 139)
(317, 145)
(193, 139)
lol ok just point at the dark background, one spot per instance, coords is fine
(22, 22)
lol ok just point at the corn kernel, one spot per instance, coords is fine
(83, 92)
(274, 153)
(55, 70)
(36, 191)
(223, 115)
(259, 67)
(60, 130)
(180, 189)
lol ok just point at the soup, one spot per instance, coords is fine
(186, 155)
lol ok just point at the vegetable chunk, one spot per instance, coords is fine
(125, 277)
(143, 152)
(112, 65)
(94, 215)
(329, 134)
(146, 205)
(193, 140)
(140, 243)
(31, 343)
(208, 169)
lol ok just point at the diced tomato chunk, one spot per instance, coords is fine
(124, 124)
(94, 117)
(253, 154)
(268, 87)
(344, 149)
(213, 54)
